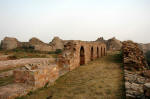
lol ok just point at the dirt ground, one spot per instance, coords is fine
(99, 79)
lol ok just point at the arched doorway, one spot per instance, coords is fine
(97, 52)
(82, 56)
(92, 54)
(101, 51)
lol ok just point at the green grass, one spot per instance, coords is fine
(29, 53)
(99, 79)
(6, 80)
(147, 57)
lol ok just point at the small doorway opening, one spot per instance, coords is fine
(92, 54)
(101, 51)
(82, 56)
(97, 52)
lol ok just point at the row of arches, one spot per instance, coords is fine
(98, 53)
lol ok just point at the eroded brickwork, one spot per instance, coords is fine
(135, 72)
(37, 75)
(80, 52)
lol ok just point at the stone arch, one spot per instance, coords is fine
(101, 51)
(82, 56)
(92, 53)
(97, 52)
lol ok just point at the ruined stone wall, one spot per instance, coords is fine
(45, 72)
(42, 72)
(9, 43)
(4, 65)
(135, 72)
(37, 75)
(73, 48)
(133, 57)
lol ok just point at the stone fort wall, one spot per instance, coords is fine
(77, 53)
(37, 75)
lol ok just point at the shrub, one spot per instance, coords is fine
(147, 55)
(58, 51)
(51, 52)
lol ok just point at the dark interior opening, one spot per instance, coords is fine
(82, 56)
(97, 52)
(92, 54)
(101, 51)
(104, 51)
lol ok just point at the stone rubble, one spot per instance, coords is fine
(134, 84)
(136, 71)
(133, 57)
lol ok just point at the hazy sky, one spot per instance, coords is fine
(75, 19)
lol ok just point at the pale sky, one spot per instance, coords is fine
(75, 19)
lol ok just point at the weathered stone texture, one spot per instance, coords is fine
(39, 45)
(43, 71)
(133, 57)
(135, 71)
(73, 48)
(4, 57)
(134, 85)
(12, 43)
(35, 41)
(57, 43)
(38, 76)
(43, 48)
(21, 62)
(12, 91)
(9, 43)
(113, 44)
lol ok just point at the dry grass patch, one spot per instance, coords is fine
(27, 53)
(100, 79)
(6, 81)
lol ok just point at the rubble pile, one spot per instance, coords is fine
(133, 57)
(136, 73)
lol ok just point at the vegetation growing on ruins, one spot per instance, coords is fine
(82, 82)
(29, 53)
(6, 80)
(147, 54)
